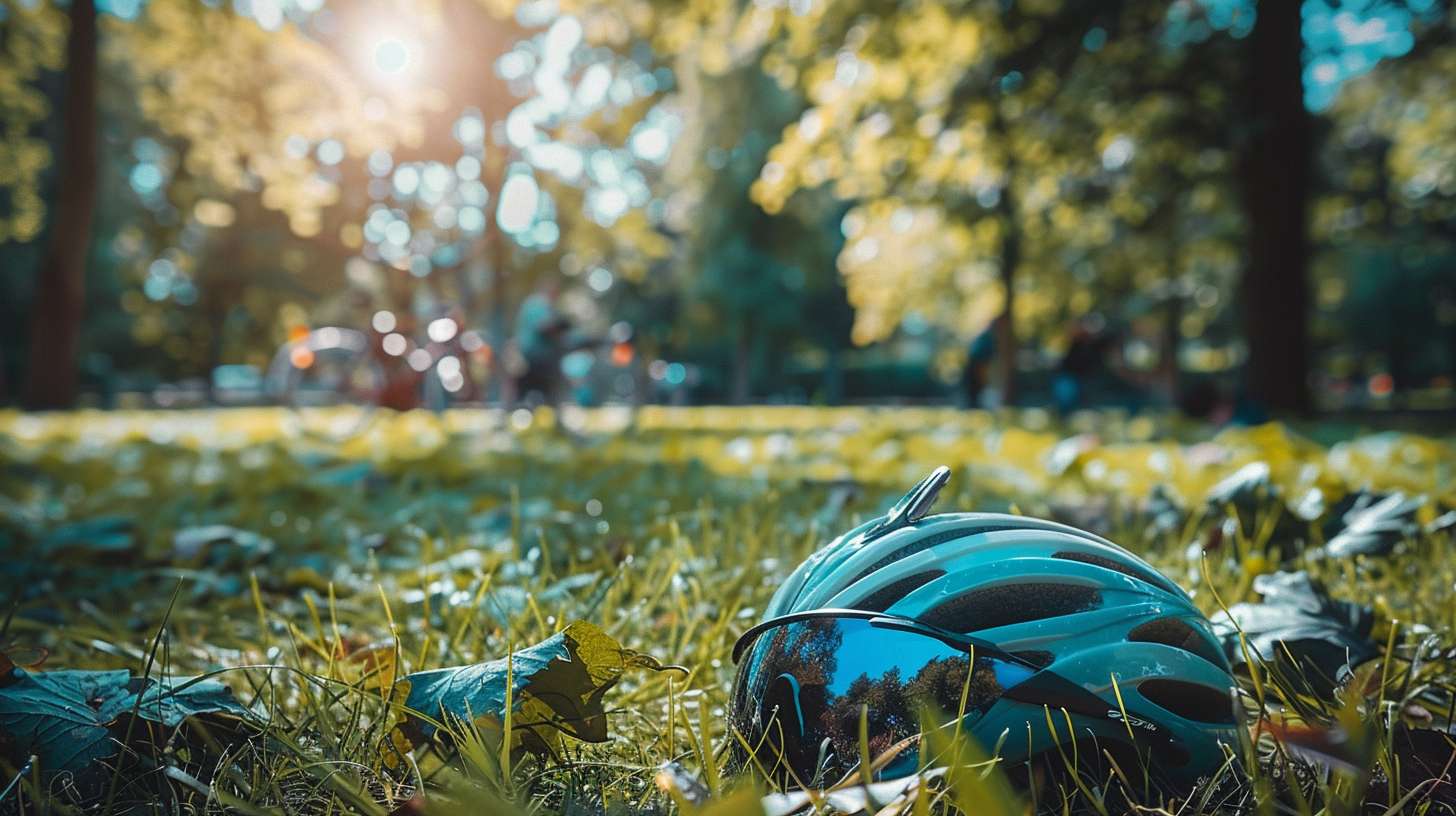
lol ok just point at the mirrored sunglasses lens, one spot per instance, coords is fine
(802, 687)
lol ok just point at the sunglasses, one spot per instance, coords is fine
(804, 679)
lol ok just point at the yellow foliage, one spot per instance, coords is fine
(235, 92)
(881, 446)
(32, 40)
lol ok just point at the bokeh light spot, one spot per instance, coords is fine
(442, 330)
(380, 162)
(468, 168)
(391, 55)
(300, 356)
(1381, 385)
(518, 201)
(146, 178)
(419, 359)
(330, 152)
(295, 146)
(471, 219)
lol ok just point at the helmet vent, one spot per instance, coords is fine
(1011, 604)
(886, 596)
(1191, 701)
(923, 544)
(1116, 566)
(1037, 657)
(1179, 634)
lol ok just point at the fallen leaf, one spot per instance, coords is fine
(217, 543)
(1375, 527)
(24, 657)
(73, 720)
(108, 534)
(1299, 622)
(556, 686)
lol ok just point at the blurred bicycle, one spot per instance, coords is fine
(322, 367)
(339, 366)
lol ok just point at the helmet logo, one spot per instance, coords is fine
(1135, 722)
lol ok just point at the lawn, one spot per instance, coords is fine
(310, 560)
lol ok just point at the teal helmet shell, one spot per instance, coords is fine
(1064, 599)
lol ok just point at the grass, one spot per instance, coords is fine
(403, 543)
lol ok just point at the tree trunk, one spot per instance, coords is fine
(742, 384)
(834, 374)
(1167, 389)
(1277, 167)
(60, 297)
(506, 392)
(1005, 326)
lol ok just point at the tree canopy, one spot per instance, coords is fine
(930, 165)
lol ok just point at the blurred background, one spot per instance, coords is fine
(1237, 210)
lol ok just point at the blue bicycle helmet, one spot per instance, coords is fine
(1003, 618)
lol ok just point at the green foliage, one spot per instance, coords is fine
(974, 780)
(555, 685)
(32, 43)
(982, 145)
(429, 548)
(73, 722)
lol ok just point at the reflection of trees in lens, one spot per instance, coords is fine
(807, 652)
(942, 682)
(890, 717)
(893, 704)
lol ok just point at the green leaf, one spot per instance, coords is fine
(55, 716)
(108, 534)
(72, 720)
(174, 701)
(1298, 623)
(555, 686)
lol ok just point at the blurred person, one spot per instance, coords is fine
(977, 373)
(540, 338)
(1216, 403)
(1087, 349)
(401, 389)
(1207, 400)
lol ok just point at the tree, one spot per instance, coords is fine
(50, 377)
(1383, 219)
(741, 279)
(746, 269)
(226, 113)
(1276, 169)
(1037, 163)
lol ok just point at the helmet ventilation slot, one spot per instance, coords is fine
(1011, 604)
(886, 596)
(1191, 701)
(1116, 566)
(1179, 634)
(923, 544)
(1039, 658)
